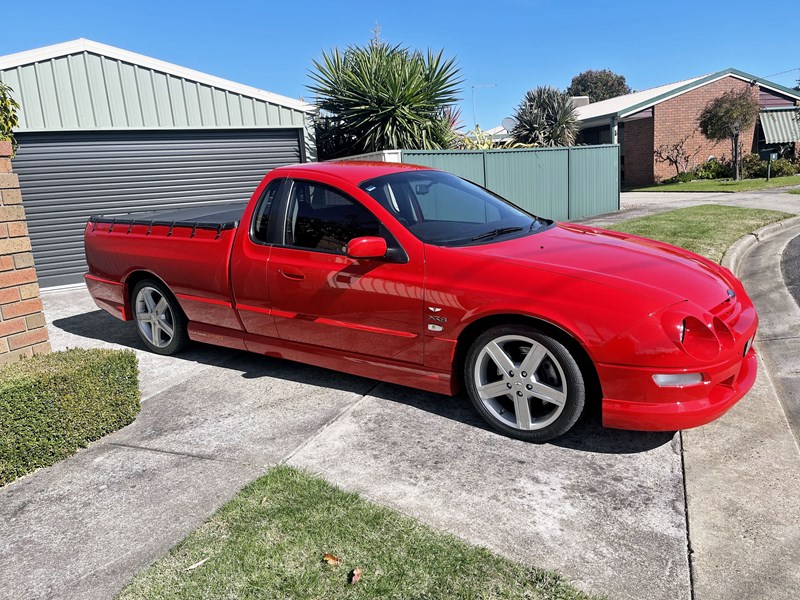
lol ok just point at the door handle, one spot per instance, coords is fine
(292, 276)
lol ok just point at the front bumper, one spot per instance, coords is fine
(654, 408)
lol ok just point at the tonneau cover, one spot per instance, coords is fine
(221, 216)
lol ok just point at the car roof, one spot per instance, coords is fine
(354, 171)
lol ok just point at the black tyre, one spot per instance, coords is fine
(524, 383)
(160, 321)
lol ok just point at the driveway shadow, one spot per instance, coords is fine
(588, 435)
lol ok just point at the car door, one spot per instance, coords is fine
(249, 259)
(321, 297)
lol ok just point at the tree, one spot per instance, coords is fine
(545, 117)
(8, 115)
(383, 97)
(726, 117)
(677, 154)
(598, 85)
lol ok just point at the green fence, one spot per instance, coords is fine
(557, 183)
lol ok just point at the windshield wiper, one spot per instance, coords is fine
(496, 232)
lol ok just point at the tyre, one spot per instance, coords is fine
(524, 383)
(160, 321)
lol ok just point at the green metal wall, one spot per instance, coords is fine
(557, 183)
(89, 91)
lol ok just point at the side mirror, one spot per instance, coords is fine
(366, 247)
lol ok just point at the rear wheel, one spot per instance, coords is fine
(160, 322)
(524, 383)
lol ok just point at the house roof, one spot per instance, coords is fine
(624, 106)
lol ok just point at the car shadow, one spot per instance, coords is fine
(588, 435)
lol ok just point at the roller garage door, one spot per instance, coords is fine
(66, 177)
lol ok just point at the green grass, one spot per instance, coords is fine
(268, 542)
(722, 185)
(795, 192)
(708, 229)
(53, 404)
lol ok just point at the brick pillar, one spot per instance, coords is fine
(22, 325)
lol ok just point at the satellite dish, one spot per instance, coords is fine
(509, 123)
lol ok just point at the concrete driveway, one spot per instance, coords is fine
(605, 508)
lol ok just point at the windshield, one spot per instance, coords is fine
(442, 209)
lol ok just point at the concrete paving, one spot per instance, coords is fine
(742, 471)
(605, 508)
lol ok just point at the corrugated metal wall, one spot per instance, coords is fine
(90, 91)
(593, 180)
(68, 176)
(557, 183)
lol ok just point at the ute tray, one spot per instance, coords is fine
(219, 217)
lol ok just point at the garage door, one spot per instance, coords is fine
(67, 177)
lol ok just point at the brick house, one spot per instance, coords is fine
(643, 121)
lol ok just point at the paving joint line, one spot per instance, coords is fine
(689, 550)
(184, 454)
(318, 433)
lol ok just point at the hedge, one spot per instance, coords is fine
(53, 404)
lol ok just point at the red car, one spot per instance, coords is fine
(416, 277)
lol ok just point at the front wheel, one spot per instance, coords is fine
(524, 383)
(160, 322)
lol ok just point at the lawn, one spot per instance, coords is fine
(269, 542)
(794, 192)
(722, 185)
(708, 229)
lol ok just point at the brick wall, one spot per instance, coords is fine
(677, 117)
(637, 152)
(22, 325)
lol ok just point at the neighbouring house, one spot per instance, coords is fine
(642, 122)
(104, 130)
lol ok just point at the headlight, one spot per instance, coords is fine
(698, 340)
(693, 336)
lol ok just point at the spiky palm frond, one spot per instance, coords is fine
(383, 97)
(546, 117)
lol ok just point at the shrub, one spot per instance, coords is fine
(783, 167)
(680, 178)
(51, 405)
(753, 167)
(714, 169)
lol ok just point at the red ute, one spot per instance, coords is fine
(417, 277)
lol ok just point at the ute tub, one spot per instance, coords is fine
(189, 248)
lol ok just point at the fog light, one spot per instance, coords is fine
(677, 379)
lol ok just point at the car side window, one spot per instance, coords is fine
(321, 218)
(260, 225)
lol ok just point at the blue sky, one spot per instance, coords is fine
(509, 46)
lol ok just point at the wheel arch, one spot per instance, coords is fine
(136, 276)
(468, 335)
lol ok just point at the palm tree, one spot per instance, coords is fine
(545, 117)
(382, 97)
